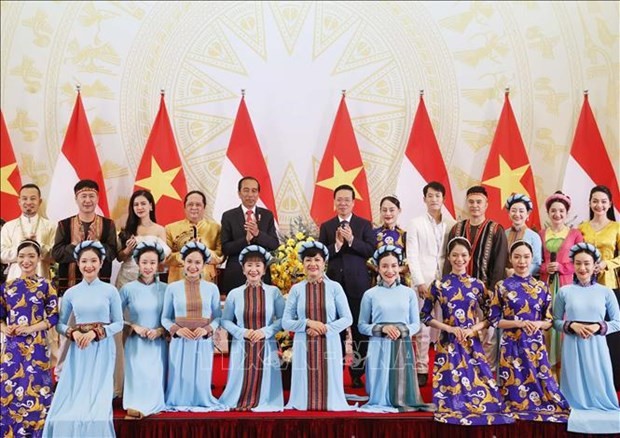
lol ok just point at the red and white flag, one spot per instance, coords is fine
(10, 179)
(161, 171)
(588, 165)
(422, 164)
(341, 164)
(77, 160)
(244, 157)
(508, 170)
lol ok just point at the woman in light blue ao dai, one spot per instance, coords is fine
(82, 404)
(389, 315)
(317, 311)
(252, 315)
(587, 378)
(191, 314)
(146, 349)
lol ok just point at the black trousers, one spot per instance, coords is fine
(360, 342)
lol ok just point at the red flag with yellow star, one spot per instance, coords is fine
(10, 179)
(341, 164)
(508, 170)
(161, 171)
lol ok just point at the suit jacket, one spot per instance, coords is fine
(233, 242)
(348, 266)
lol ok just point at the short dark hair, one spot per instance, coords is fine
(30, 186)
(344, 187)
(393, 199)
(477, 190)
(195, 192)
(85, 184)
(247, 178)
(311, 252)
(435, 186)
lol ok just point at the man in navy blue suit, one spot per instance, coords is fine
(245, 225)
(350, 241)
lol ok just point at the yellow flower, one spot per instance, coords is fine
(299, 236)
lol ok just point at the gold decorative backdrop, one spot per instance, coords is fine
(293, 58)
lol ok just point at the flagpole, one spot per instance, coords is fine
(506, 91)
(585, 92)
(162, 92)
(422, 93)
(242, 92)
(77, 88)
(344, 93)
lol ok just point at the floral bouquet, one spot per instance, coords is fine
(286, 270)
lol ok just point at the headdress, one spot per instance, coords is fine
(143, 246)
(587, 247)
(388, 248)
(193, 245)
(89, 244)
(313, 244)
(519, 197)
(255, 249)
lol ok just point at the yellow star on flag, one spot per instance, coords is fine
(508, 180)
(340, 177)
(5, 184)
(160, 183)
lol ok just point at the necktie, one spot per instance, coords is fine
(248, 215)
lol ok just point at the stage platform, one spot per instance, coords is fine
(316, 424)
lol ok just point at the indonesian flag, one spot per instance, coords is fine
(341, 164)
(77, 160)
(244, 157)
(508, 170)
(161, 171)
(588, 165)
(10, 179)
(423, 163)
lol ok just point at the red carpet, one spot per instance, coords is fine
(292, 423)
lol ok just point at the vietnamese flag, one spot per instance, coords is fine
(508, 170)
(588, 165)
(77, 160)
(341, 164)
(161, 171)
(10, 179)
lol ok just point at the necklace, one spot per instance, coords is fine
(33, 231)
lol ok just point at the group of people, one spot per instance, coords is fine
(509, 312)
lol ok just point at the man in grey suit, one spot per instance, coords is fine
(350, 241)
(245, 225)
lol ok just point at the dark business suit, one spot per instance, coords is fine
(233, 241)
(348, 267)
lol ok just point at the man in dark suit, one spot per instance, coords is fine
(350, 241)
(245, 225)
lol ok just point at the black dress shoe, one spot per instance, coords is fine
(422, 379)
(357, 382)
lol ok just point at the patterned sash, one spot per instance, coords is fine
(317, 348)
(253, 319)
(403, 382)
(78, 235)
(193, 306)
(481, 243)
